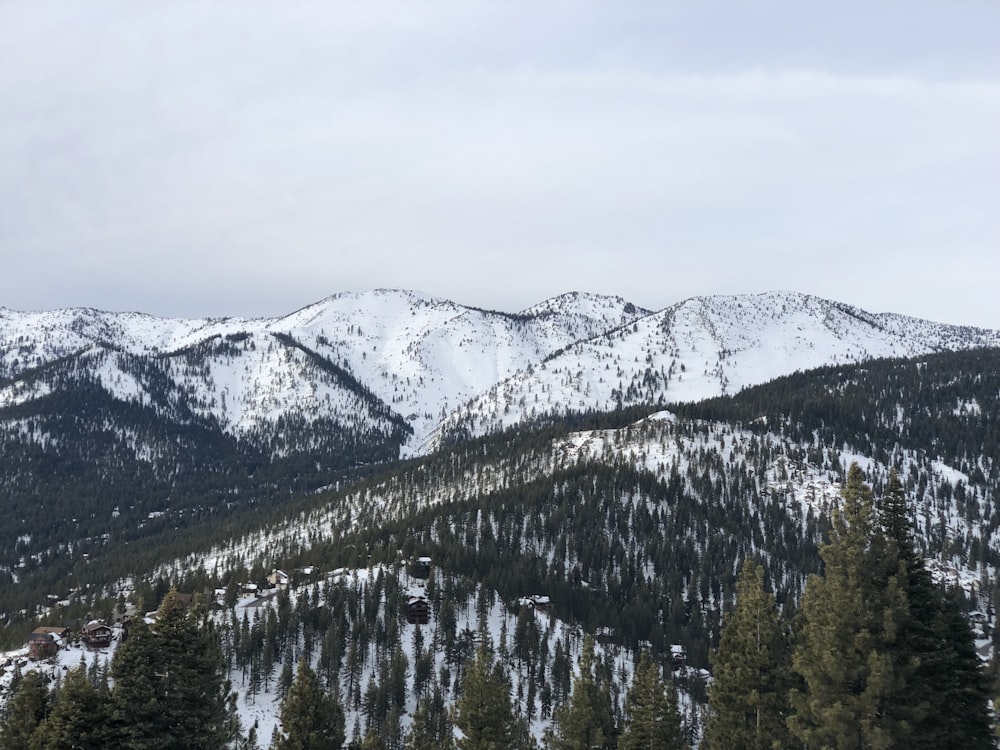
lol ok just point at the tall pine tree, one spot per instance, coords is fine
(27, 709)
(78, 720)
(483, 712)
(748, 698)
(849, 626)
(169, 680)
(946, 700)
(586, 721)
(311, 719)
(652, 721)
(886, 657)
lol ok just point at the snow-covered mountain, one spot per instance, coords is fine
(369, 360)
(415, 356)
(704, 347)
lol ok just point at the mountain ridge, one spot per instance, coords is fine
(448, 369)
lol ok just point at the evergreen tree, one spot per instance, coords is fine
(483, 712)
(748, 698)
(652, 721)
(78, 720)
(850, 621)
(946, 699)
(169, 687)
(27, 709)
(960, 687)
(311, 719)
(425, 733)
(586, 721)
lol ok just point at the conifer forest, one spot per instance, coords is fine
(808, 563)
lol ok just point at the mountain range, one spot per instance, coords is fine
(414, 370)
(623, 462)
(121, 428)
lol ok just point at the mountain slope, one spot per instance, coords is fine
(116, 428)
(704, 347)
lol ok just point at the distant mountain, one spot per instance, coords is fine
(620, 462)
(116, 427)
(700, 348)
(434, 368)
(414, 358)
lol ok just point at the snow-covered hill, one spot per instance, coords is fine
(363, 359)
(704, 347)
(419, 357)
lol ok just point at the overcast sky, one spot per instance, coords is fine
(247, 158)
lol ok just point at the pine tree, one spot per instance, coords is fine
(483, 712)
(748, 698)
(586, 721)
(169, 684)
(946, 699)
(27, 709)
(425, 733)
(850, 620)
(311, 719)
(652, 721)
(79, 718)
(960, 686)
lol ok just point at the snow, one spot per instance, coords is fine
(443, 366)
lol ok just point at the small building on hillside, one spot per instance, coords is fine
(678, 655)
(421, 567)
(535, 601)
(45, 642)
(278, 579)
(96, 634)
(418, 610)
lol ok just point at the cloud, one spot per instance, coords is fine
(245, 159)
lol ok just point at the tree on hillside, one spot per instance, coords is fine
(947, 692)
(748, 698)
(169, 680)
(311, 719)
(886, 657)
(652, 721)
(78, 720)
(426, 731)
(27, 708)
(849, 622)
(585, 721)
(483, 712)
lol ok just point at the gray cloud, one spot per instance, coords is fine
(241, 158)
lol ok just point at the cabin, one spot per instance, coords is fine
(536, 602)
(125, 614)
(678, 656)
(96, 635)
(421, 567)
(418, 610)
(278, 579)
(45, 642)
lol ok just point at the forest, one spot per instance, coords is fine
(876, 655)
(647, 530)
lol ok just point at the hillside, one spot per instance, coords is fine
(117, 428)
(632, 523)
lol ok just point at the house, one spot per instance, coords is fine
(536, 602)
(278, 578)
(421, 567)
(125, 615)
(678, 655)
(96, 634)
(418, 610)
(185, 600)
(45, 642)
